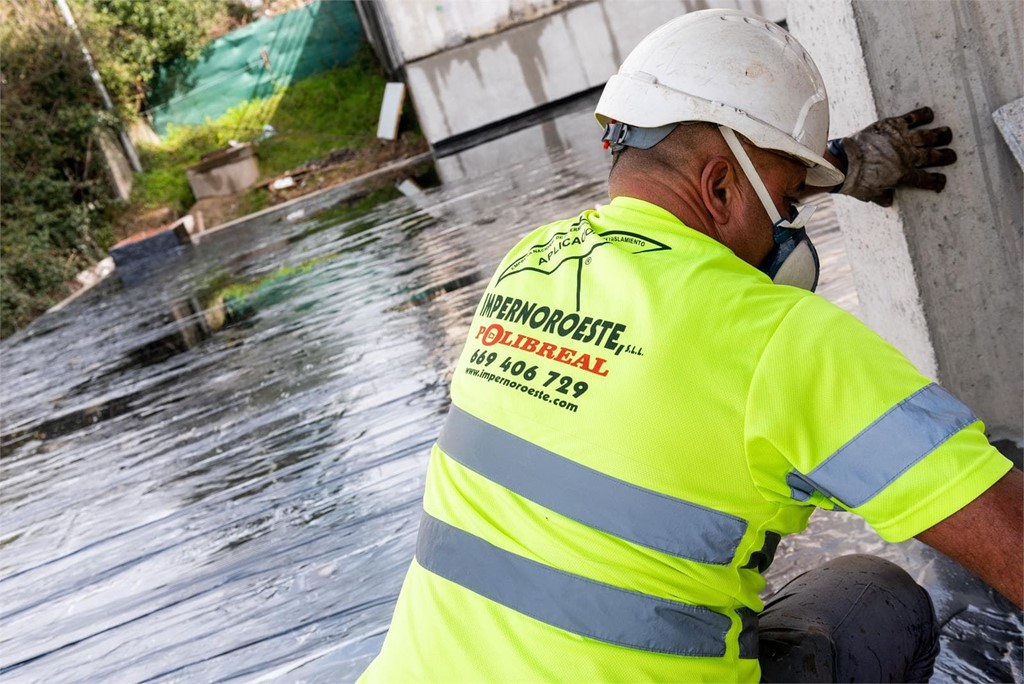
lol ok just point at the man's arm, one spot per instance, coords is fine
(985, 536)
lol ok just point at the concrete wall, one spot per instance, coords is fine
(576, 131)
(529, 64)
(119, 169)
(939, 275)
(423, 28)
(224, 172)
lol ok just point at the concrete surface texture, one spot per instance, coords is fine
(579, 133)
(423, 28)
(527, 65)
(1010, 120)
(938, 274)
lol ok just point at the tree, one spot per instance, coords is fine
(55, 194)
(130, 38)
(56, 203)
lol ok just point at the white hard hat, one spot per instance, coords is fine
(731, 68)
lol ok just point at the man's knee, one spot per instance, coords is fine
(863, 617)
(862, 571)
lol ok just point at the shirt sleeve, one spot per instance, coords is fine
(837, 417)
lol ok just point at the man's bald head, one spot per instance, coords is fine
(687, 142)
(694, 175)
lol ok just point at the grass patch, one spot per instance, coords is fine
(333, 110)
(337, 110)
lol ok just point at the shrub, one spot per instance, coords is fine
(54, 218)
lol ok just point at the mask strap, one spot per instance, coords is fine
(793, 223)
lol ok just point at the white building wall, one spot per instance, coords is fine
(422, 28)
(939, 275)
(501, 60)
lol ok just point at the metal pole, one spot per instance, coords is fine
(126, 143)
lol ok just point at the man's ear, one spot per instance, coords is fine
(717, 188)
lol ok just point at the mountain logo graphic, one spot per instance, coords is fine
(575, 246)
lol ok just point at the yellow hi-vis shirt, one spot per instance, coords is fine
(638, 416)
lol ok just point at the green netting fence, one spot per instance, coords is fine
(253, 61)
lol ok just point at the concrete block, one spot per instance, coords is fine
(224, 172)
(138, 256)
(874, 238)
(409, 188)
(391, 111)
(494, 78)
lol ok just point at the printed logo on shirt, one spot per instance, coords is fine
(575, 246)
(552, 354)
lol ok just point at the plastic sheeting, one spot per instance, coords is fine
(254, 60)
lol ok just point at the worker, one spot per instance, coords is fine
(648, 402)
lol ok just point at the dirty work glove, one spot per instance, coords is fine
(889, 154)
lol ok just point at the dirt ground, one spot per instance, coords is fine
(343, 165)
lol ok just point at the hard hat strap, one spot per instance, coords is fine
(799, 218)
(752, 175)
(618, 135)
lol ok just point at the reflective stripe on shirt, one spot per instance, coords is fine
(886, 449)
(622, 509)
(577, 604)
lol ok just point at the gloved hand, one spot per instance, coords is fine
(890, 154)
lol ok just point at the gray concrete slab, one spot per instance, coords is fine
(529, 62)
(1010, 120)
(939, 275)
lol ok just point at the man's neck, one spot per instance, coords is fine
(679, 200)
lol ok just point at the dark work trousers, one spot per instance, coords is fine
(854, 619)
